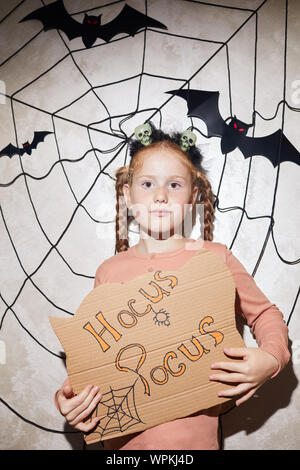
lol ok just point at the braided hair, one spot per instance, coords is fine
(193, 157)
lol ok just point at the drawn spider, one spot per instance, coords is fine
(161, 318)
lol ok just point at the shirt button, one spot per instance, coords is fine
(150, 269)
(152, 256)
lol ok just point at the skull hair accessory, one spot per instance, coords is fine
(187, 140)
(144, 131)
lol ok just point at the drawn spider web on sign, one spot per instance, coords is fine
(121, 413)
(105, 158)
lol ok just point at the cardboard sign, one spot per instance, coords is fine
(148, 344)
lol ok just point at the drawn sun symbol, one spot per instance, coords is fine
(161, 318)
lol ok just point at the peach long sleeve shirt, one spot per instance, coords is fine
(200, 430)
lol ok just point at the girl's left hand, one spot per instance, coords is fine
(248, 374)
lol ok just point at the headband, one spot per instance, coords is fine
(144, 131)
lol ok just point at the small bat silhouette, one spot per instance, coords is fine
(55, 16)
(11, 150)
(205, 106)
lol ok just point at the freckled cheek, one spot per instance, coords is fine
(180, 202)
(141, 197)
(140, 203)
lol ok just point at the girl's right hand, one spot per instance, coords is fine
(77, 408)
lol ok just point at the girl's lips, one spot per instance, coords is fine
(160, 213)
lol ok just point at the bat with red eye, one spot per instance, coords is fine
(55, 16)
(11, 150)
(205, 106)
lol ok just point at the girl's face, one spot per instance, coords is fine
(161, 193)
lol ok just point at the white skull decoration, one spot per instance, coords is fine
(143, 133)
(187, 139)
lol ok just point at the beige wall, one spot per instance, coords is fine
(38, 281)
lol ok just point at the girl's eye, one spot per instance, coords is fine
(175, 184)
(146, 184)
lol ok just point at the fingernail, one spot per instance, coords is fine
(211, 377)
(96, 388)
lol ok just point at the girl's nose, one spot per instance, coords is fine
(161, 194)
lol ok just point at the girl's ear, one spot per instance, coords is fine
(126, 193)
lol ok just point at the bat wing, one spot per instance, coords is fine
(10, 151)
(205, 106)
(275, 147)
(55, 16)
(38, 137)
(128, 21)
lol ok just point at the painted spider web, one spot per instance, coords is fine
(120, 408)
(118, 128)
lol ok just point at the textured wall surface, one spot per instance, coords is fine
(58, 205)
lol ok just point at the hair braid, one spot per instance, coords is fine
(207, 199)
(122, 217)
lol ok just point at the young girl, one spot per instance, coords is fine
(160, 187)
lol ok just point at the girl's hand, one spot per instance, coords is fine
(255, 368)
(77, 408)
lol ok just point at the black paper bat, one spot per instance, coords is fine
(205, 106)
(11, 150)
(55, 16)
